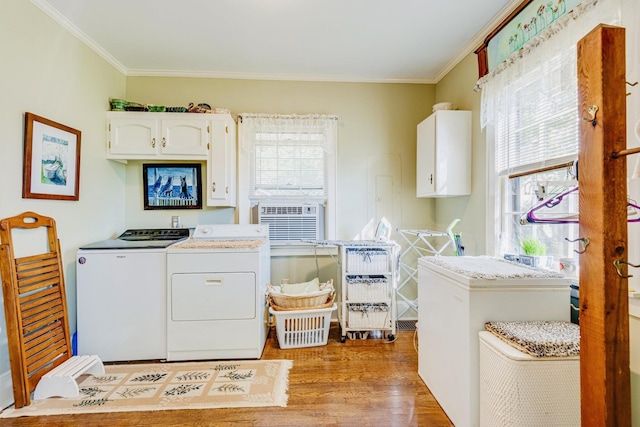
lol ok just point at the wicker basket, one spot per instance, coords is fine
(318, 299)
(367, 288)
(276, 307)
(369, 316)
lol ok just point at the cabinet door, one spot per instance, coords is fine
(221, 166)
(185, 137)
(443, 154)
(132, 138)
(426, 157)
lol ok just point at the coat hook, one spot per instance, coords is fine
(583, 240)
(632, 84)
(592, 111)
(617, 263)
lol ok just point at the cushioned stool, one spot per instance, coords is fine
(520, 389)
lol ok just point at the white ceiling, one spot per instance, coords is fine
(319, 40)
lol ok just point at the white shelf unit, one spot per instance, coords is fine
(419, 243)
(368, 297)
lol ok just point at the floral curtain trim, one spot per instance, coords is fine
(522, 47)
(531, 21)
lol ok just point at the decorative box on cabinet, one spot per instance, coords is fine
(443, 155)
(157, 136)
(221, 165)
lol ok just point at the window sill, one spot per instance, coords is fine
(301, 249)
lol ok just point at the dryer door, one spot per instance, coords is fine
(213, 296)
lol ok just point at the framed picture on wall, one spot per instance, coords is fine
(51, 160)
(172, 186)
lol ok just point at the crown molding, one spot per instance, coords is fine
(76, 32)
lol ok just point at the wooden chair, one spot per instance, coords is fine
(35, 305)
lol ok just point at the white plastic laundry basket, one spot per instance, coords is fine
(303, 328)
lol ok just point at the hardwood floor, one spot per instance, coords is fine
(359, 383)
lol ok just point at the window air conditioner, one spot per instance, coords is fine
(290, 223)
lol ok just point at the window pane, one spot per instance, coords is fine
(524, 193)
(289, 163)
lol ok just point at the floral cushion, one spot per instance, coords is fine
(539, 338)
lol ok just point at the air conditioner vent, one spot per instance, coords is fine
(291, 222)
(281, 210)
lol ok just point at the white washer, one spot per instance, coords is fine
(121, 300)
(216, 286)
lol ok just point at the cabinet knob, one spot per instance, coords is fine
(213, 187)
(164, 142)
(226, 189)
(153, 142)
(431, 179)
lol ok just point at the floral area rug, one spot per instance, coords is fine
(163, 386)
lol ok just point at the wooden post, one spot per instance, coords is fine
(604, 310)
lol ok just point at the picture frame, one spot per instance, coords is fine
(51, 160)
(172, 185)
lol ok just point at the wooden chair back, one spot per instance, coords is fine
(35, 306)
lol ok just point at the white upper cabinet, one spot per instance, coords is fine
(221, 165)
(185, 137)
(180, 136)
(159, 136)
(443, 155)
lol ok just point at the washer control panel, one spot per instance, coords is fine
(231, 231)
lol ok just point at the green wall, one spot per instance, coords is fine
(47, 71)
(376, 120)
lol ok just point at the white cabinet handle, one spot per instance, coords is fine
(213, 282)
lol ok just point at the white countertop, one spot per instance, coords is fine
(488, 272)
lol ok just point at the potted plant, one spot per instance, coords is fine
(535, 253)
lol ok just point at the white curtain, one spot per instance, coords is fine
(250, 123)
(529, 106)
(559, 39)
(289, 156)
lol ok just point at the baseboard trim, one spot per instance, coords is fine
(6, 390)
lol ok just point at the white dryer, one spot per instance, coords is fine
(216, 286)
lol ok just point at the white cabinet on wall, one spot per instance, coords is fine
(157, 136)
(180, 136)
(221, 164)
(444, 154)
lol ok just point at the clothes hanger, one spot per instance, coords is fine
(530, 216)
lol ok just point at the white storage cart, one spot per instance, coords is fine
(368, 297)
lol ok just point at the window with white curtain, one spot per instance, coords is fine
(290, 159)
(289, 164)
(529, 106)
